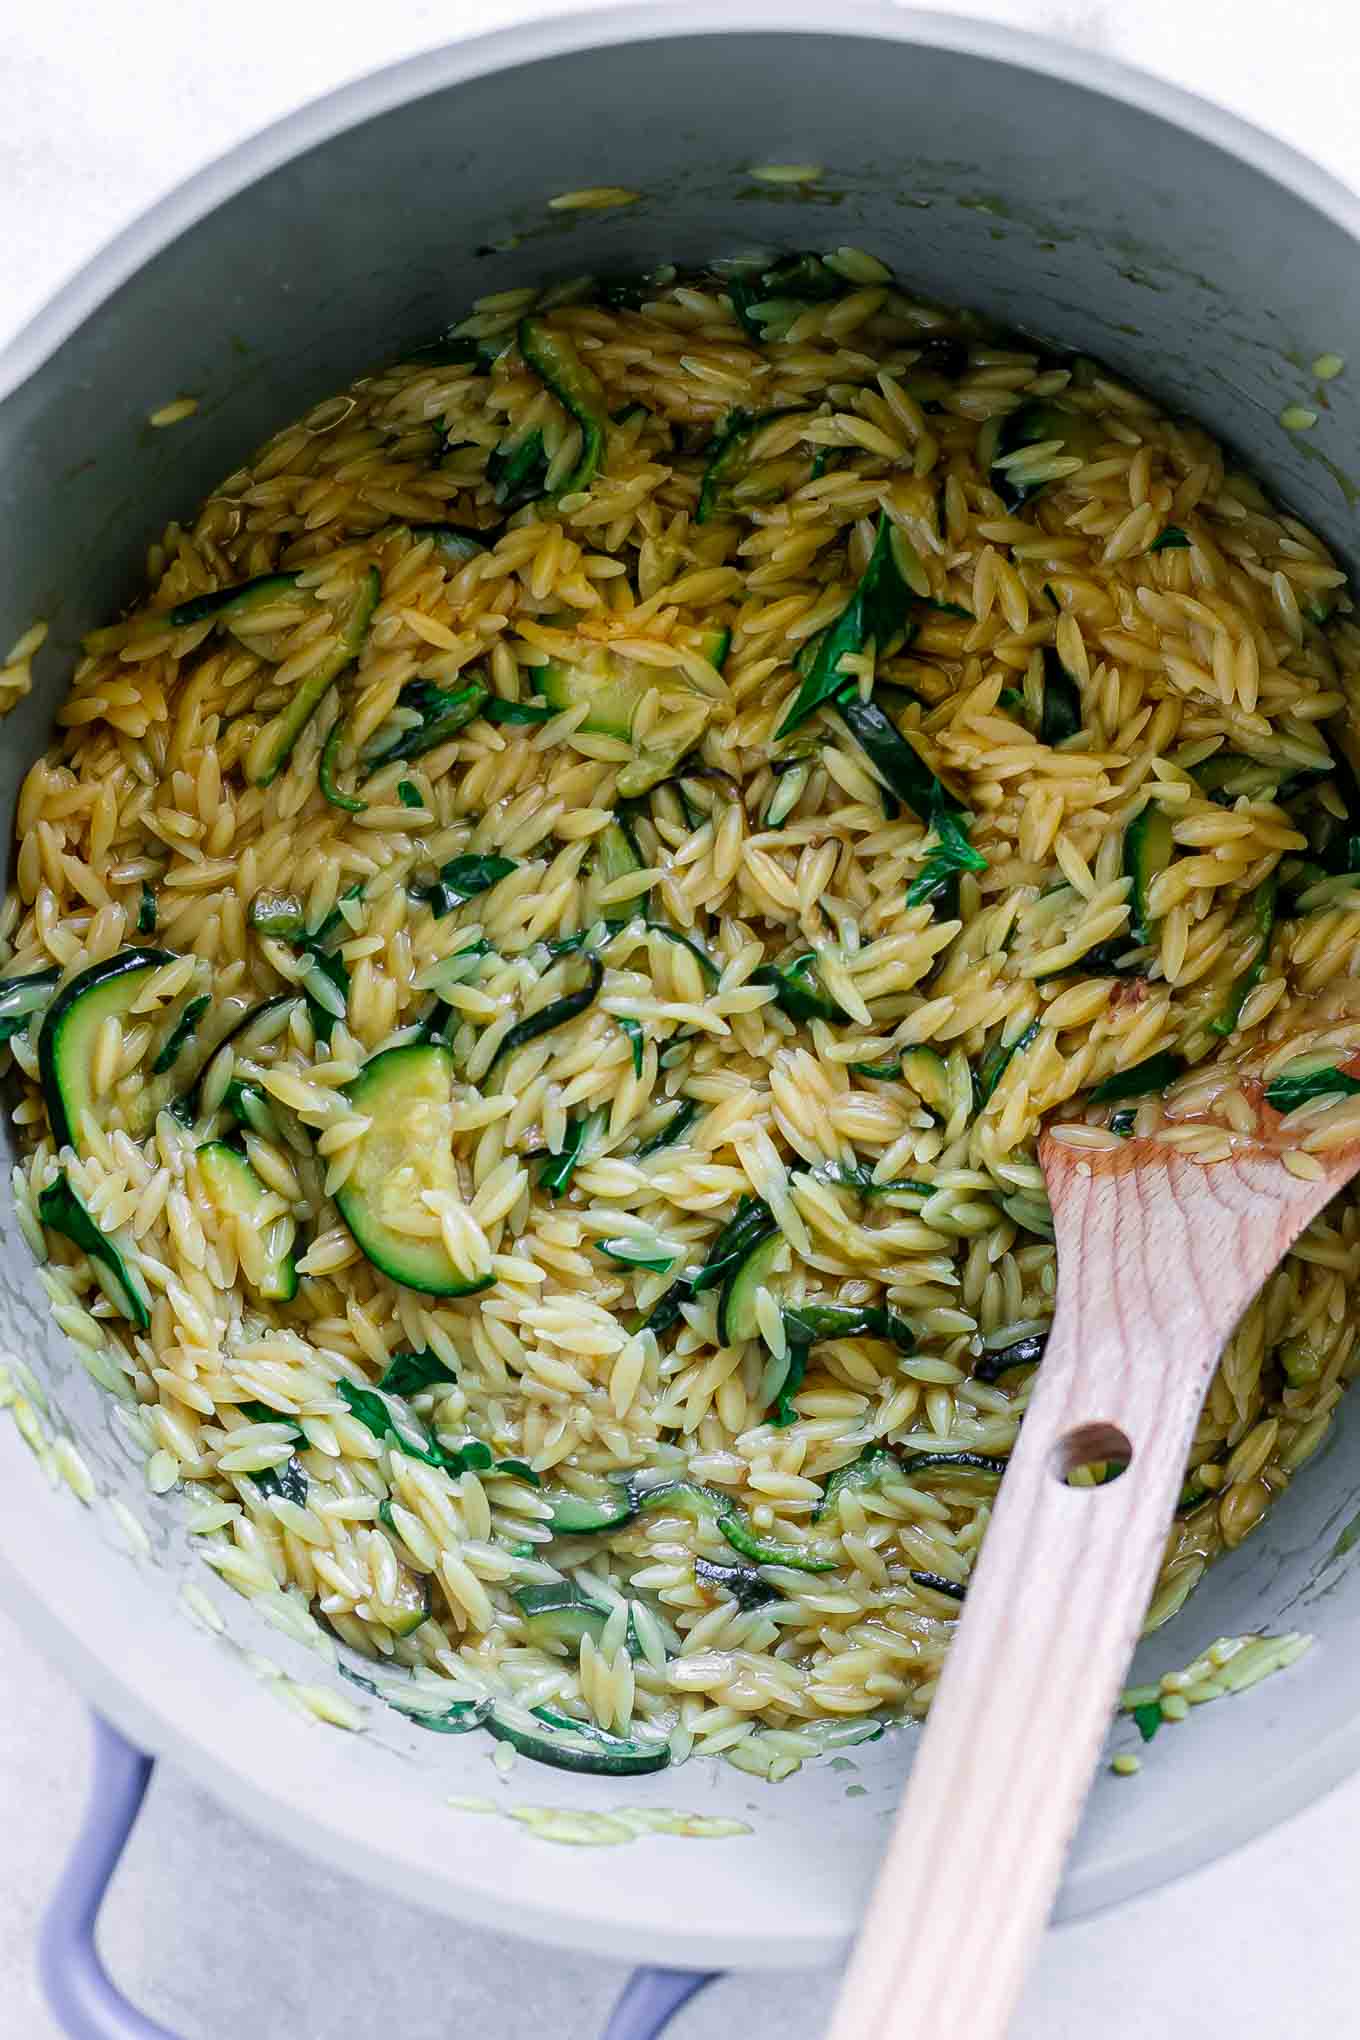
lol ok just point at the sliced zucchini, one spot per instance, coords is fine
(617, 854)
(67, 1041)
(1307, 1077)
(746, 1586)
(1148, 849)
(808, 1322)
(442, 714)
(578, 1516)
(1027, 1352)
(22, 997)
(737, 1318)
(875, 1468)
(265, 1244)
(273, 743)
(925, 1071)
(914, 1464)
(550, 1738)
(687, 1498)
(700, 955)
(936, 1583)
(577, 388)
(1154, 1073)
(235, 605)
(612, 687)
(518, 470)
(407, 1094)
(560, 1613)
(556, 1014)
(1169, 539)
(410, 1607)
(147, 913)
(998, 1061)
(763, 1551)
(1261, 920)
(675, 1128)
(180, 1034)
(330, 758)
(60, 1208)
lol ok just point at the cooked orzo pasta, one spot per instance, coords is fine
(545, 940)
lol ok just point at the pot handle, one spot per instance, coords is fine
(88, 2005)
(85, 2001)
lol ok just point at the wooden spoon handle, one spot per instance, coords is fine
(1151, 1283)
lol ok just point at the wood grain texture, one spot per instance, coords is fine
(1158, 1256)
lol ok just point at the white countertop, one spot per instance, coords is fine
(211, 1927)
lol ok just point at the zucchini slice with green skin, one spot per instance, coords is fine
(22, 997)
(248, 1105)
(762, 1551)
(737, 1318)
(1261, 914)
(234, 605)
(578, 1516)
(1308, 1077)
(936, 1583)
(875, 1467)
(617, 854)
(916, 1463)
(567, 1745)
(60, 1208)
(442, 715)
(181, 1034)
(147, 912)
(325, 775)
(556, 1014)
(731, 457)
(1148, 848)
(925, 1071)
(407, 1093)
(273, 744)
(1154, 1073)
(806, 1323)
(610, 685)
(746, 1586)
(995, 1065)
(1027, 1352)
(577, 388)
(686, 1111)
(238, 1195)
(560, 1613)
(67, 1041)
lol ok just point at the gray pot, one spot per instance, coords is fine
(1056, 191)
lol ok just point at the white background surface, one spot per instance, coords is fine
(212, 1928)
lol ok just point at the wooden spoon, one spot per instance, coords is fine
(1158, 1257)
